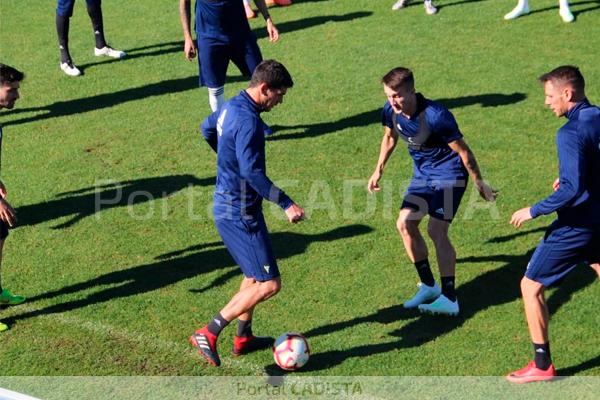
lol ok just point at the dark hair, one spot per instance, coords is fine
(10, 75)
(568, 74)
(399, 77)
(273, 73)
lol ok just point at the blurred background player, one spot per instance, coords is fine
(249, 11)
(10, 81)
(281, 3)
(430, 9)
(235, 133)
(64, 11)
(223, 35)
(442, 162)
(522, 8)
(574, 237)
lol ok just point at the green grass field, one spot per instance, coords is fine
(117, 289)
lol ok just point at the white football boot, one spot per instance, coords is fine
(442, 305)
(519, 10)
(430, 9)
(424, 294)
(70, 69)
(400, 4)
(566, 14)
(109, 52)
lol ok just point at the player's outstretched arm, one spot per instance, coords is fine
(468, 158)
(3, 191)
(388, 144)
(271, 28)
(189, 47)
(294, 213)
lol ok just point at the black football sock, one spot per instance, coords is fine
(542, 355)
(95, 13)
(448, 289)
(62, 29)
(244, 328)
(217, 324)
(424, 271)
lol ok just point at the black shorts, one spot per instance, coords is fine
(3, 230)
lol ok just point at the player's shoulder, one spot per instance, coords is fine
(590, 114)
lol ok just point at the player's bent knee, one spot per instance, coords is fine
(531, 288)
(270, 288)
(406, 228)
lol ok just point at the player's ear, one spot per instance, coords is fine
(264, 88)
(568, 93)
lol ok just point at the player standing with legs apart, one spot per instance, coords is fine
(64, 11)
(235, 132)
(522, 8)
(223, 35)
(430, 8)
(574, 237)
(10, 81)
(442, 162)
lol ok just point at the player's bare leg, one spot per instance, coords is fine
(446, 304)
(536, 311)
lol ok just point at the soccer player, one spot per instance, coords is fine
(248, 9)
(442, 162)
(235, 132)
(10, 81)
(64, 11)
(522, 8)
(574, 237)
(430, 9)
(223, 35)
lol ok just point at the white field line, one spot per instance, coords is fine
(10, 395)
(165, 345)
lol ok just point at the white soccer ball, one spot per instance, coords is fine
(291, 351)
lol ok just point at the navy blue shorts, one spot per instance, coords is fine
(562, 249)
(3, 230)
(439, 199)
(247, 240)
(214, 57)
(64, 8)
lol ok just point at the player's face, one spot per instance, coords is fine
(9, 94)
(273, 98)
(557, 97)
(401, 99)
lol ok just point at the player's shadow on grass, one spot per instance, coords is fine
(174, 267)
(106, 100)
(152, 50)
(508, 238)
(291, 26)
(83, 203)
(456, 3)
(374, 116)
(493, 288)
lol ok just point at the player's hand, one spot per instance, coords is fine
(373, 185)
(189, 49)
(272, 30)
(7, 213)
(294, 213)
(3, 191)
(487, 192)
(556, 184)
(524, 214)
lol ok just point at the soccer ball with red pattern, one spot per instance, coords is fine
(291, 351)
